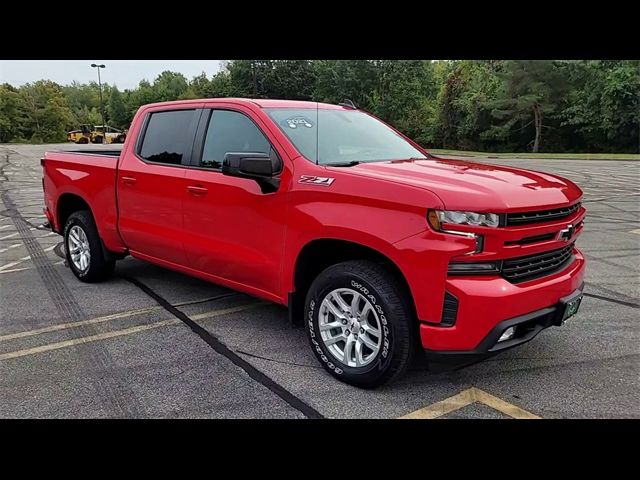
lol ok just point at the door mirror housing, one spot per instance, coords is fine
(260, 167)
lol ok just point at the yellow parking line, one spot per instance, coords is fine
(443, 407)
(224, 311)
(105, 318)
(126, 331)
(502, 406)
(91, 338)
(63, 326)
(468, 397)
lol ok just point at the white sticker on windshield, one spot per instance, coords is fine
(296, 122)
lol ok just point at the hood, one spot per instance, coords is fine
(463, 185)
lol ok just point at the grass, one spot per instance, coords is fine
(578, 156)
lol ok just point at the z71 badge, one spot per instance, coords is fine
(326, 181)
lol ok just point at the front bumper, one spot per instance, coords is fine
(486, 306)
(526, 328)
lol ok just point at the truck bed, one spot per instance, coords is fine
(83, 174)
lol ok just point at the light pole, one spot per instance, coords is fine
(104, 124)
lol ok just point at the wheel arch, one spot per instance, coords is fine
(319, 254)
(67, 204)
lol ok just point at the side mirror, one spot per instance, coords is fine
(260, 167)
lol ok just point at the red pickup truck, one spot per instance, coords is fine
(377, 246)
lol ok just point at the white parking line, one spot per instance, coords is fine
(5, 226)
(15, 270)
(10, 247)
(126, 331)
(19, 261)
(14, 234)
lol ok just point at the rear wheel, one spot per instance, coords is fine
(84, 251)
(359, 323)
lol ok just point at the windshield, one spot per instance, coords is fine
(341, 136)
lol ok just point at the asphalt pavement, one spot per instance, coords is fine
(70, 350)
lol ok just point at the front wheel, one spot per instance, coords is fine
(83, 247)
(359, 323)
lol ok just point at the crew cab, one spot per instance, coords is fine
(380, 248)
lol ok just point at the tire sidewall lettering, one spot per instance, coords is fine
(66, 247)
(311, 319)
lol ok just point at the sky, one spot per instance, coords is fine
(122, 73)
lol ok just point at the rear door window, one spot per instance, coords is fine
(168, 136)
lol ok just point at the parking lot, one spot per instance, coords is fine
(153, 343)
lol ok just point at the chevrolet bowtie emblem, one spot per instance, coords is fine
(567, 233)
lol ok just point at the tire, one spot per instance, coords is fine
(83, 141)
(80, 229)
(97, 139)
(388, 307)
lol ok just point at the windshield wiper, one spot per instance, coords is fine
(343, 164)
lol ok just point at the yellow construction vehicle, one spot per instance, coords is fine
(110, 134)
(80, 136)
(96, 134)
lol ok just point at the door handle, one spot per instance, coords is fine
(196, 190)
(128, 180)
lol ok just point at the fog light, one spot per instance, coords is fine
(507, 334)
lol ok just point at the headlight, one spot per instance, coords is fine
(437, 217)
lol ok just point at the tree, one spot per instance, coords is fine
(200, 86)
(11, 107)
(532, 90)
(620, 103)
(288, 79)
(86, 115)
(116, 109)
(405, 96)
(82, 100)
(46, 113)
(246, 78)
(169, 86)
(449, 115)
(338, 80)
(488, 105)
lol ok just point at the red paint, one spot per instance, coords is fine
(225, 230)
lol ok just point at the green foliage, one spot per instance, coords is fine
(490, 105)
(464, 103)
(532, 91)
(116, 110)
(11, 107)
(404, 95)
(338, 80)
(45, 113)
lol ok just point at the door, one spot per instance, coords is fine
(151, 185)
(232, 229)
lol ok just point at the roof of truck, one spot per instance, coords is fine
(261, 102)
